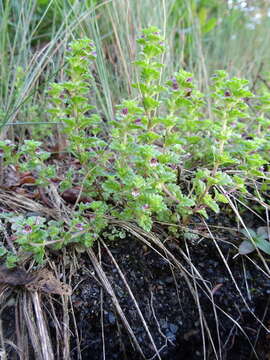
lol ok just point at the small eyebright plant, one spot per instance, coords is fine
(171, 151)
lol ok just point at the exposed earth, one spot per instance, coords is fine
(236, 324)
(168, 306)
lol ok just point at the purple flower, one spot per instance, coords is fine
(27, 229)
(135, 192)
(145, 207)
(153, 162)
(227, 93)
(94, 53)
(138, 121)
(125, 111)
(189, 79)
(79, 226)
(174, 84)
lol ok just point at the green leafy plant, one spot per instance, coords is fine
(162, 129)
(170, 152)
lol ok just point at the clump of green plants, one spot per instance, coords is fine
(170, 153)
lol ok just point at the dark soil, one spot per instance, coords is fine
(167, 304)
(169, 308)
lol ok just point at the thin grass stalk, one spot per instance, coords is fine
(133, 299)
(105, 282)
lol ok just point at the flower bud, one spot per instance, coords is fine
(145, 207)
(153, 162)
(135, 192)
(79, 226)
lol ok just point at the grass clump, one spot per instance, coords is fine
(171, 151)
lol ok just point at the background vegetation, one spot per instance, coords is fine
(202, 36)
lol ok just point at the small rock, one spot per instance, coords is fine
(111, 318)
(168, 280)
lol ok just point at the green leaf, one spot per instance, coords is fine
(249, 233)
(156, 202)
(145, 222)
(3, 251)
(202, 15)
(223, 179)
(200, 186)
(220, 197)
(194, 139)
(262, 231)
(203, 213)
(111, 185)
(149, 136)
(150, 103)
(264, 245)
(11, 260)
(187, 202)
(211, 203)
(246, 247)
(98, 206)
(209, 25)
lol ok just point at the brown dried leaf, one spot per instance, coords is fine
(28, 179)
(71, 196)
(45, 281)
(26, 173)
(11, 177)
(15, 276)
(42, 280)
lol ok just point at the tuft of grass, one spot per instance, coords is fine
(201, 37)
(32, 56)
